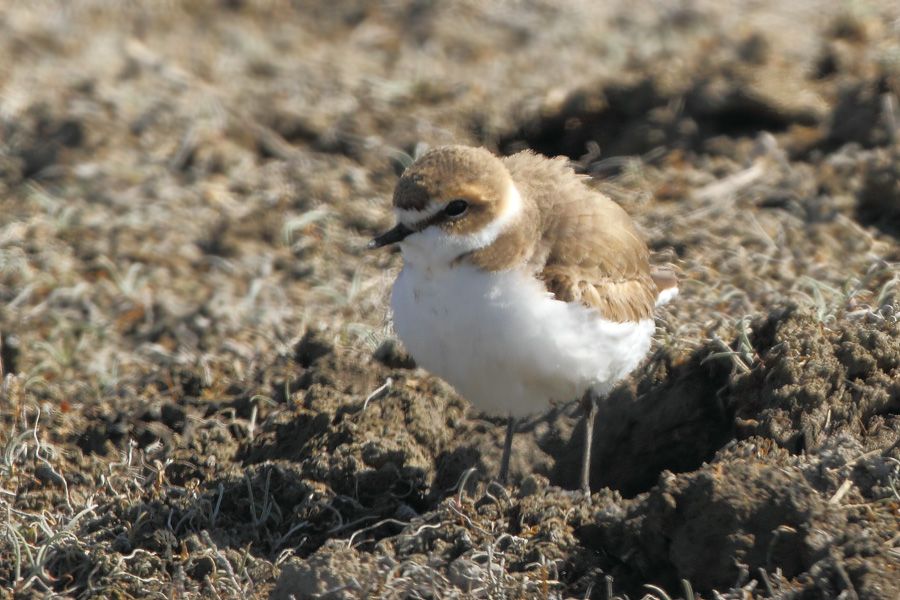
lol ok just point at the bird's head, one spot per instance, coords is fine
(451, 201)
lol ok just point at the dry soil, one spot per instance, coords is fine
(201, 394)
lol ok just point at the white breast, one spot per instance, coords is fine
(504, 343)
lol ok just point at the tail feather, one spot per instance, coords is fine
(666, 282)
(666, 296)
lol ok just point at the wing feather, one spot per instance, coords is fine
(590, 251)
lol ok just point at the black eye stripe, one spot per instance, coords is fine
(456, 207)
(449, 212)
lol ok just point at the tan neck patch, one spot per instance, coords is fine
(514, 246)
(508, 250)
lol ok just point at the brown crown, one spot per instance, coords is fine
(449, 172)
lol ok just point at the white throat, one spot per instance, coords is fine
(433, 247)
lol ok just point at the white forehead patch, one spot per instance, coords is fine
(410, 217)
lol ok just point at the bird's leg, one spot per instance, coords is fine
(589, 406)
(507, 449)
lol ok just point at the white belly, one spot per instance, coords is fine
(504, 343)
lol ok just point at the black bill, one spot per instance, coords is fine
(392, 236)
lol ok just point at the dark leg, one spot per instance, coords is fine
(507, 450)
(589, 405)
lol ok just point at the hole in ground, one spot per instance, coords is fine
(628, 120)
(669, 421)
(878, 203)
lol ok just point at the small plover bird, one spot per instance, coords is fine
(520, 284)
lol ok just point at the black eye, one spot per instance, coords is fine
(456, 207)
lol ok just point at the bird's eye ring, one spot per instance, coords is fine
(456, 208)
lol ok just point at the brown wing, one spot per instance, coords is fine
(590, 251)
(618, 300)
